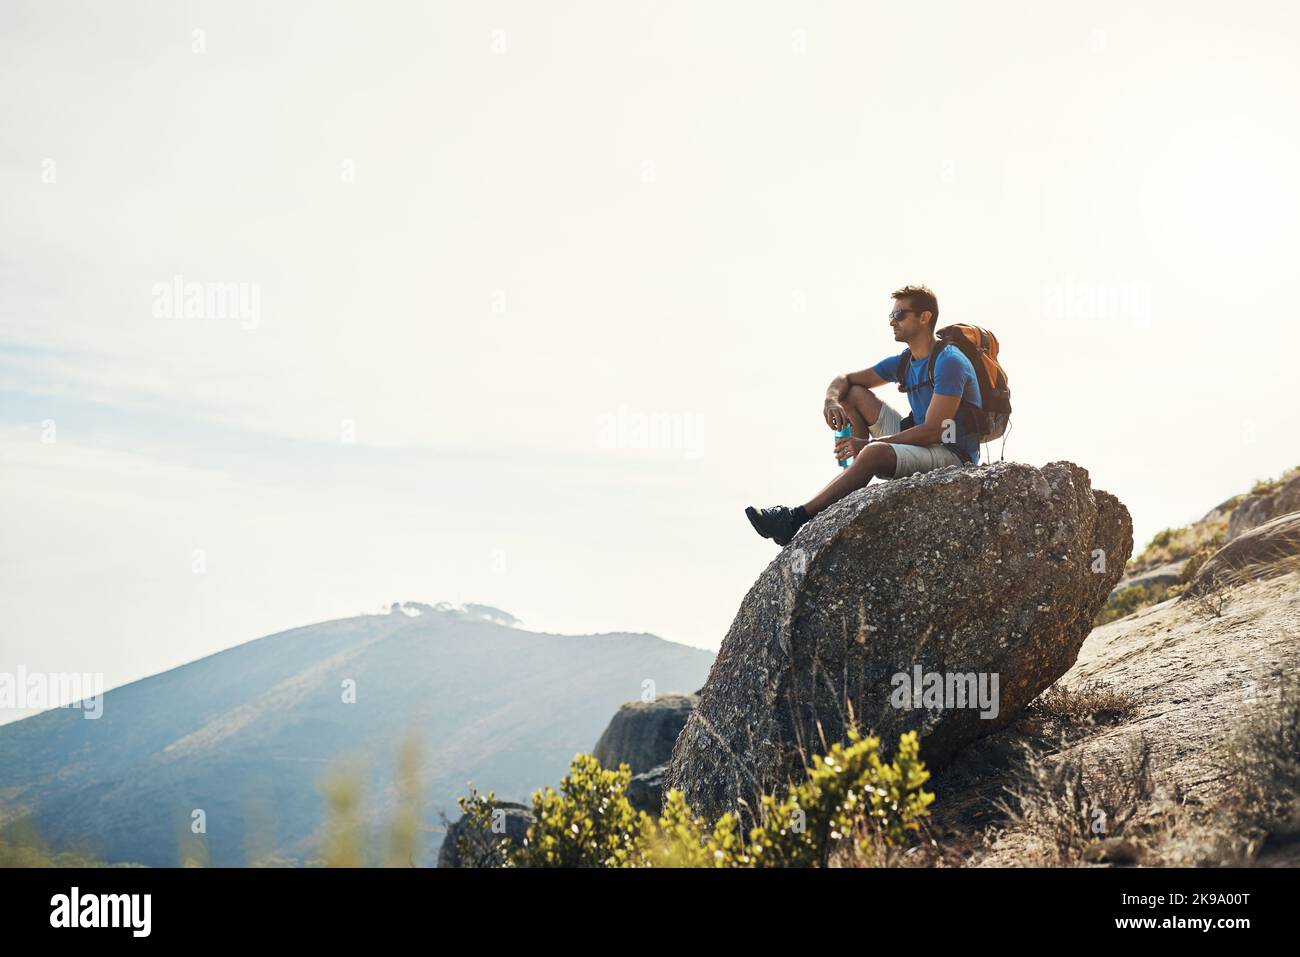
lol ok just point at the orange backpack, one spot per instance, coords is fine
(981, 347)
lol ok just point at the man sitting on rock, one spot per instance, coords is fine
(882, 443)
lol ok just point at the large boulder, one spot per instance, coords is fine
(1255, 510)
(1270, 549)
(514, 821)
(642, 733)
(987, 571)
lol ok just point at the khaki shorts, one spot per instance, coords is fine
(911, 458)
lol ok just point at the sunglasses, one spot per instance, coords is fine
(899, 314)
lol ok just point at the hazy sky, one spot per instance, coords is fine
(479, 242)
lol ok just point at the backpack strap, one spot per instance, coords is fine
(934, 357)
(903, 361)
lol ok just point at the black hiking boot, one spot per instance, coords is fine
(777, 523)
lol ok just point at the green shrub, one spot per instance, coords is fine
(853, 802)
(1163, 537)
(475, 844)
(678, 838)
(589, 823)
(1128, 600)
(1173, 544)
(852, 807)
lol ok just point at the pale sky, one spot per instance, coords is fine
(483, 239)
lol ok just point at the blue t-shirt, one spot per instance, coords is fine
(953, 375)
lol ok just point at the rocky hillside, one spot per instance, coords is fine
(1173, 556)
(1148, 728)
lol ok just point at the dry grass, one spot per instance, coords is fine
(1065, 713)
(1076, 811)
(1282, 557)
(1265, 486)
(1257, 809)
(1211, 596)
(926, 850)
(1263, 755)
(1055, 798)
(1193, 566)
(21, 845)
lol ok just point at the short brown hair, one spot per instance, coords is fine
(920, 298)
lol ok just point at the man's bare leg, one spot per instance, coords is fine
(862, 409)
(875, 461)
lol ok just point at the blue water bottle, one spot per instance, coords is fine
(844, 433)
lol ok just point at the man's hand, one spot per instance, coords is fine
(838, 391)
(849, 447)
(835, 415)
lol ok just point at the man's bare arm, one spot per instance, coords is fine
(941, 411)
(838, 390)
(839, 387)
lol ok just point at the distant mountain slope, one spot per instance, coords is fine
(247, 734)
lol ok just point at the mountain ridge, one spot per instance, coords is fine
(248, 725)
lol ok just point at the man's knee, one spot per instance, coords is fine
(879, 459)
(864, 400)
(886, 459)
